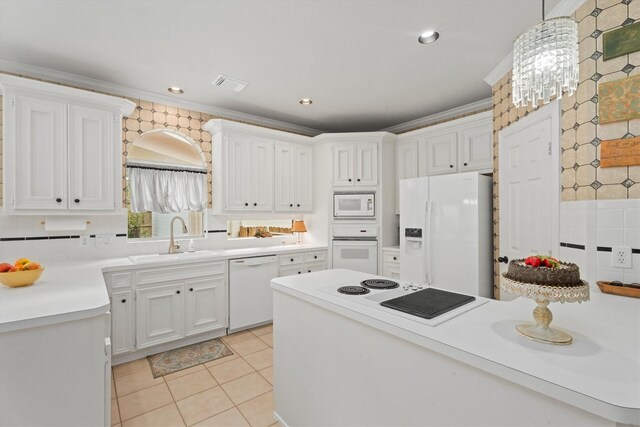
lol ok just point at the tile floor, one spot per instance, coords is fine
(233, 391)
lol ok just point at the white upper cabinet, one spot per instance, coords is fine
(438, 154)
(284, 183)
(91, 171)
(366, 165)
(261, 174)
(407, 163)
(355, 164)
(62, 148)
(303, 178)
(343, 168)
(249, 175)
(259, 170)
(293, 177)
(39, 165)
(476, 148)
(238, 149)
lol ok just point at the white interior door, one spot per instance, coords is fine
(529, 186)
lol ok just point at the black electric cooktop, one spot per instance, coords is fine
(428, 303)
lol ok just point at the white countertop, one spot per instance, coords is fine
(599, 372)
(71, 291)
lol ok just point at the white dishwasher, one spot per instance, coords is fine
(250, 297)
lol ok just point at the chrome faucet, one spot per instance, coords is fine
(174, 248)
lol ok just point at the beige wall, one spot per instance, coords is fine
(582, 178)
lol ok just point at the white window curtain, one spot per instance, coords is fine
(157, 189)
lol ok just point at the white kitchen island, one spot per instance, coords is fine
(338, 362)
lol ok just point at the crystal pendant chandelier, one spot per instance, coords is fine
(545, 61)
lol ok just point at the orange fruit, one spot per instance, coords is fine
(22, 261)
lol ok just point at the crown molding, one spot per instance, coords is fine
(428, 120)
(564, 8)
(71, 79)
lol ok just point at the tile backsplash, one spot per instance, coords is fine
(590, 229)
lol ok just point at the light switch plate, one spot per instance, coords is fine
(85, 240)
(621, 257)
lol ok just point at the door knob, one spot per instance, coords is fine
(503, 259)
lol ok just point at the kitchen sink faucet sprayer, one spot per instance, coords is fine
(174, 248)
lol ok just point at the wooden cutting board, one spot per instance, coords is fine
(620, 152)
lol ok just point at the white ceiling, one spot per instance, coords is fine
(358, 60)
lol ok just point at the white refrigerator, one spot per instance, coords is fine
(446, 232)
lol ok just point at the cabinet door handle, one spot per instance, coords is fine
(298, 205)
(77, 201)
(58, 200)
(309, 271)
(451, 166)
(358, 179)
(315, 257)
(124, 300)
(349, 179)
(246, 204)
(465, 164)
(255, 204)
(290, 205)
(299, 272)
(291, 259)
(395, 258)
(177, 292)
(190, 289)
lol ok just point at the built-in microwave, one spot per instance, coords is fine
(354, 205)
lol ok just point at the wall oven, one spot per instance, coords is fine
(355, 248)
(354, 205)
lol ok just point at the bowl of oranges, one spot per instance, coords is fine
(23, 272)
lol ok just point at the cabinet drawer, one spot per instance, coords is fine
(391, 270)
(315, 256)
(119, 280)
(292, 259)
(179, 272)
(291, 271)
(315, 266)
(393, 257)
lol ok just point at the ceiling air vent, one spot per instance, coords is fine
(230, 83)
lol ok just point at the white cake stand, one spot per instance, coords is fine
(543, 295)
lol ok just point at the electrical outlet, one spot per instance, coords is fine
(621, 257)
(103, 240)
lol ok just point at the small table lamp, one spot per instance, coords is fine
(299, 227)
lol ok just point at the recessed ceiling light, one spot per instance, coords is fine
(176, 90)
(428, 37)
(306, 101)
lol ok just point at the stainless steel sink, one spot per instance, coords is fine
(141, 259)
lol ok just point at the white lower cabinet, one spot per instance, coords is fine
(205, 305)
(391, 263)
(152, 306)
(302, 262)
(122, 332)
(160, 314)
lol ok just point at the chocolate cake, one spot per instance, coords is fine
(565, 274)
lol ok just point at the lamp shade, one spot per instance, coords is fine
(299, 227)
